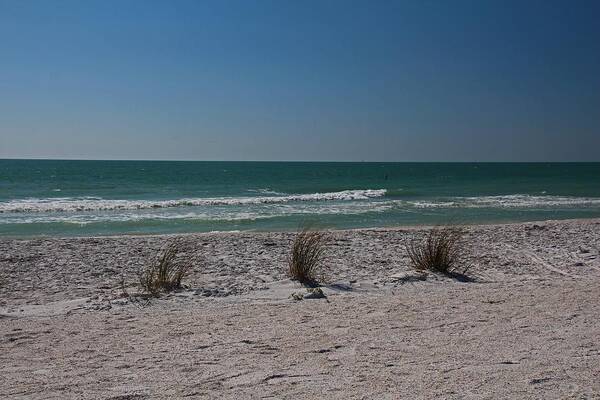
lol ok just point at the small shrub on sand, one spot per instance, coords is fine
(440, 252)
(165, 274)
(305, 262)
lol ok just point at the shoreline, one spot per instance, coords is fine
(236, 231)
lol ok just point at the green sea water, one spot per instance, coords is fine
(81, 198)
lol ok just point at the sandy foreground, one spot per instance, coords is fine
(527, 327)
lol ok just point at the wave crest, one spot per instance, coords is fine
(507, 201)
(70, 204)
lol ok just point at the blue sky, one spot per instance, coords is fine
(301, 80)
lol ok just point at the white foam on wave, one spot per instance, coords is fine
(508, 201)
(70, 204)
(266, 191)
(205, 215)
(132, 216)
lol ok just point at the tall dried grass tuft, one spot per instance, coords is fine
(305, 262)
(165, 274)
(440, 252)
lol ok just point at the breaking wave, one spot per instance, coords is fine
(508, 201)
(71, 204)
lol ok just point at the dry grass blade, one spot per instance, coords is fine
(165, 274)
(440, 252)
(306, 259)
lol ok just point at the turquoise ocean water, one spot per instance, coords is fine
(79, 198)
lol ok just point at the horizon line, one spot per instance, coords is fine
(284, 161)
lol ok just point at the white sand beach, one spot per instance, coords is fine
(527, 326)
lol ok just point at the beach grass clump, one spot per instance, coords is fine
(440, 252)
(305, 263)
(165, 273)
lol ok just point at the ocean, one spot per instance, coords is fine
(84, 198)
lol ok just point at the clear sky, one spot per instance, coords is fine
(301, 80)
